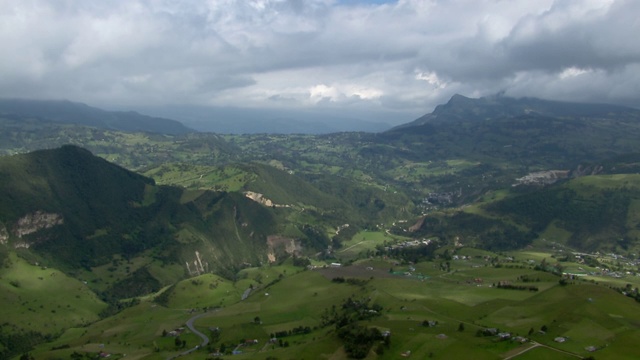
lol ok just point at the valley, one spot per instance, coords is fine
(430, 309)
(496, 228)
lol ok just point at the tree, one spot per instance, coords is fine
(461, 327)
(256, 320)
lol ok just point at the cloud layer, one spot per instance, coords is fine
(400, 57)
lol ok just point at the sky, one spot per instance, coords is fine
(395, 58)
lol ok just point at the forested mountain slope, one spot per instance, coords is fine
(78, 212)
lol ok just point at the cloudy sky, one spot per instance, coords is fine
(389, 57)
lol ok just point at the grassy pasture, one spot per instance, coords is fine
(624, 346)
(363, 241)
(295, 301)
(227, 178)
(290, 300)
(43, 299)
(544, 353)
(631, 181)
(136, 332)
(206, 290)
(555, 234)
(413, 171)
(286, 297)
(102, 277)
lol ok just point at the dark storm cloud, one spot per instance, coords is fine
(377, 55)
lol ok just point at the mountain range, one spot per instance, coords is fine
(124, 214)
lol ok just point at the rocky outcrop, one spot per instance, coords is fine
(257, 197)
(35, 222)
(542, 177)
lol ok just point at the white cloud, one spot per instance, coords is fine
(323, 92)
(431, 78)
(339, 92)
(573, 72)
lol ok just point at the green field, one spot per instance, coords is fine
(42, 299)
(227, 178)
(366, 241)
(285, 297)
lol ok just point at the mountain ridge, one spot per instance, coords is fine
(65, 111)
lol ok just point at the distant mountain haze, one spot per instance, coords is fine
(232, 120)
(235, 120)
(81, 114)
(181, 119)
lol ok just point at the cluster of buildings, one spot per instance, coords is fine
(408, 244)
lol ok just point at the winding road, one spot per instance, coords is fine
(205, 339)
(537, 344)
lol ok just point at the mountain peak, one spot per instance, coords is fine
(461, 108)
(457, 98)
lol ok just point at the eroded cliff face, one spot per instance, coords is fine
(35, 222)
(260, 198)
(4, 235)
(542, 177)
(257, 197)
(587, 170)
(279, 245)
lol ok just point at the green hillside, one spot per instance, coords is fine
(590, 213)
(78, 212)
(336, 200)
(318, 314)
(40, 303)
(598, 212)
